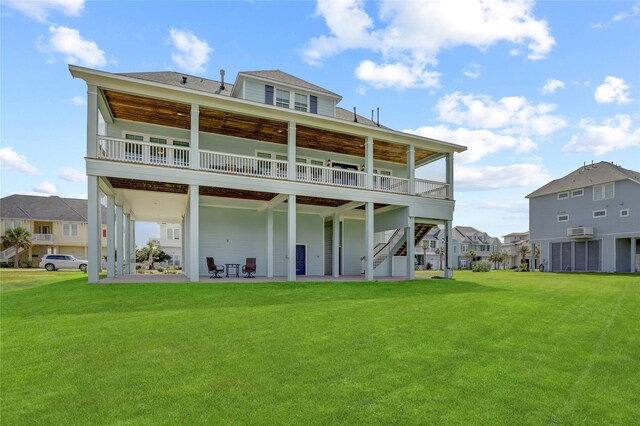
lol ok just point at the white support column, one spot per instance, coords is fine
(94, 226)
(92, 121)
(532, 256)
(119, 240)
(125, 253)
(269, 243)
(368, 161)
(448, 243)
(411, 168)
(183, 247)
(111, 236)
(132, 245)
(449, 172)
(291, 151)
(634, 248)
(187, 240)
(194, 233)
(291, 238)
(194, 143)
(411, 249)
(335, 251)
(368, 241)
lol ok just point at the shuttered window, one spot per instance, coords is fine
(268, 95)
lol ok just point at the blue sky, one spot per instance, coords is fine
(534, 89)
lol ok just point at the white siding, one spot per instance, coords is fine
(353, 246)
(326, 106)
(254, 91)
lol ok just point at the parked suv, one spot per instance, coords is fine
(53, 262)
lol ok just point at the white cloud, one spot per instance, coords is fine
(191, 54)
(471, 178)
(479, 143)
(512, 114)
(635, 9)
(399, 75)
(551, 86)
(78, 100)
(472, 71)
(599, 138)
(613, 90)
(72, 175)
(76, 50)
(41, 9)
(409, 35)
(9, 159)
(45, 187)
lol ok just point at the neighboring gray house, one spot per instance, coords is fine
(513, 242)
(466, 238)
(588, 220)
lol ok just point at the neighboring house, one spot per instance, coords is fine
(171, 243)
(465, 239)
(57, 225)
(512, 245)
(432, 242)
(588, 220)
(268, 168)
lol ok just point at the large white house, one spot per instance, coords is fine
(588, 220)
(267, 168)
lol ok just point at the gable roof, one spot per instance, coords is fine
(173, 78)
(52, 208)
(464, 233)
(585, 176)
(278, 76)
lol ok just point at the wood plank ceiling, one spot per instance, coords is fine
(174, 114)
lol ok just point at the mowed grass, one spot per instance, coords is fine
(486, 348)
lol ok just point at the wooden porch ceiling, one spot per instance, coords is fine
(174, 114)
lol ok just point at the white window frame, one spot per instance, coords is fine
(604, 191)
(599, 211)
(307, 160)
(146, 137)
(275, 98)
(560, 216)
(624, 212)
(580, 192)
(68, 229)
(563, 195)
(295, 102)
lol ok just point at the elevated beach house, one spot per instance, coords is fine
(267, 168)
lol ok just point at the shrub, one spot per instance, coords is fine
(481, 266)
(25, 264)
(524, 267)
(159, 269)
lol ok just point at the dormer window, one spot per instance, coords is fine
(282, 98)
(301, 102)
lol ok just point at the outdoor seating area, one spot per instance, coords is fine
(249, 268)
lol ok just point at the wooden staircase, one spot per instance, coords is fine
(421, 230)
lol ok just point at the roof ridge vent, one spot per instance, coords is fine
(184, 80)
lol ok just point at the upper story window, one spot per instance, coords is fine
(11, 224)
(173, 233)
(604, 192)
(301, 102)
(70, 229)
(600, 213)
(577, 192)
(282, 98)
(563, 195)
(624, 213)
(563, 218)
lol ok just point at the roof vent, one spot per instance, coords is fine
(184, 80)
(221, 79)
(355, 116)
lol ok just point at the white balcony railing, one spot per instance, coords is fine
(580, 232)
(172, 156)
(142, 152)
(42, 237)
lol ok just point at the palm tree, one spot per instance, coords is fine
(537, 252)
(524, 251)
(471, 255)
(503, 259)
(495, 257)
(18, 238)
(440, 252)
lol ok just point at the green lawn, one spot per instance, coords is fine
(486, 348)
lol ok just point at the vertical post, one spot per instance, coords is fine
(187, 242)
(132, 245)
(335, 251)
(92, 121)
(183, 244)
(368, 161)
(448, 244)
(368, 241)
(94, 226)
(126, 243)
(194, 231)
(111, 234)
(194, 144)
(270, 243)
(291, 151)
(532, 256)
(411, 169)
(411, 248)
(634, 249)
(291, 238)
(119, 240)
(449, 172)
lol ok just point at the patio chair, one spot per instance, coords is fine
(250, 267)
(213, 268)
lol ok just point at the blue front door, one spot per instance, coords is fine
(301, 259)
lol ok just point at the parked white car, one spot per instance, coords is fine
(53, 262)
